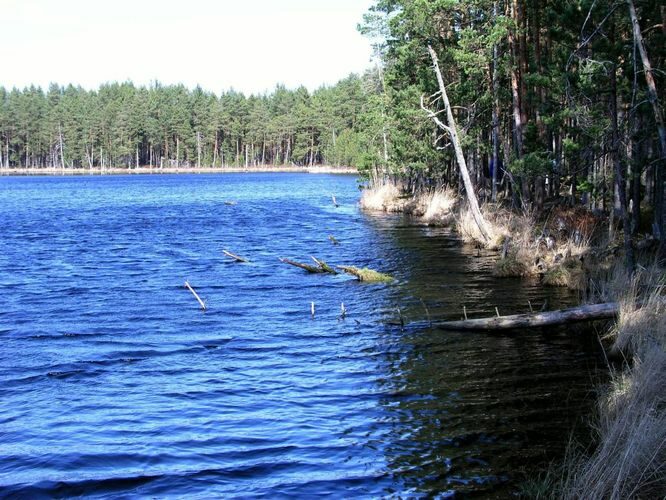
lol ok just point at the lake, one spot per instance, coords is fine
(113, 382)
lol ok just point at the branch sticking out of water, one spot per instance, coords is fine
(237, 258)
(201, 302)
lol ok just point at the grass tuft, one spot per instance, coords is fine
(511, 265)
(434, 206)
(569, 273)
(630, 459)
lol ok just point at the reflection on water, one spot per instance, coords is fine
(114, 383)
(476, 412)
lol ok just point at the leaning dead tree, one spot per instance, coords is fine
(451, 129)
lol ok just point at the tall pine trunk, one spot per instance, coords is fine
(660, 186)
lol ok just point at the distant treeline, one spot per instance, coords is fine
(121, 124)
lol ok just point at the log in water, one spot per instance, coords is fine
(518, 321)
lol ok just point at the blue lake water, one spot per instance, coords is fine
(114, 383)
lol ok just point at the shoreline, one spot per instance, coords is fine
(67, 171)
(628, 451)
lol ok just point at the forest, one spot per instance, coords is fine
(561, 95)
(123, 125)
(555, 100)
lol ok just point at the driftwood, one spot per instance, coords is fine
(201, 302)
(517, 321)
(237, 258)
(320, 268)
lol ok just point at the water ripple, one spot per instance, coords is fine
(114, 383)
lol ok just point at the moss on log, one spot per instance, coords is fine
(365, 274)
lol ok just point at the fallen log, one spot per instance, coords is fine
(517, 321)
(320, 268)
(306, 267)
(237, 258)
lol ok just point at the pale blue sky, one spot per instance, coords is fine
(250, 45)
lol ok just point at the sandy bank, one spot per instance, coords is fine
(180, 170)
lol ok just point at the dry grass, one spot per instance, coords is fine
(630, 460)
(642, 321)
(501, 224)
(569, 273)
(384, 197)
(433, 207)
(439, 205)
(561, 260)
(514, 264)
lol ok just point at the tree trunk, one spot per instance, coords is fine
(660, 186)
(460, 157)
(215, 146)
(495, 78)
(62, 153)
(263, 152)
(619, 174)
(198, 149)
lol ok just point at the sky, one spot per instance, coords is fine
(248, 45)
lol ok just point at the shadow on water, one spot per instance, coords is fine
(477, 413)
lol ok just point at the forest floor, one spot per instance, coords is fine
(575, 248)
(145, 170)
